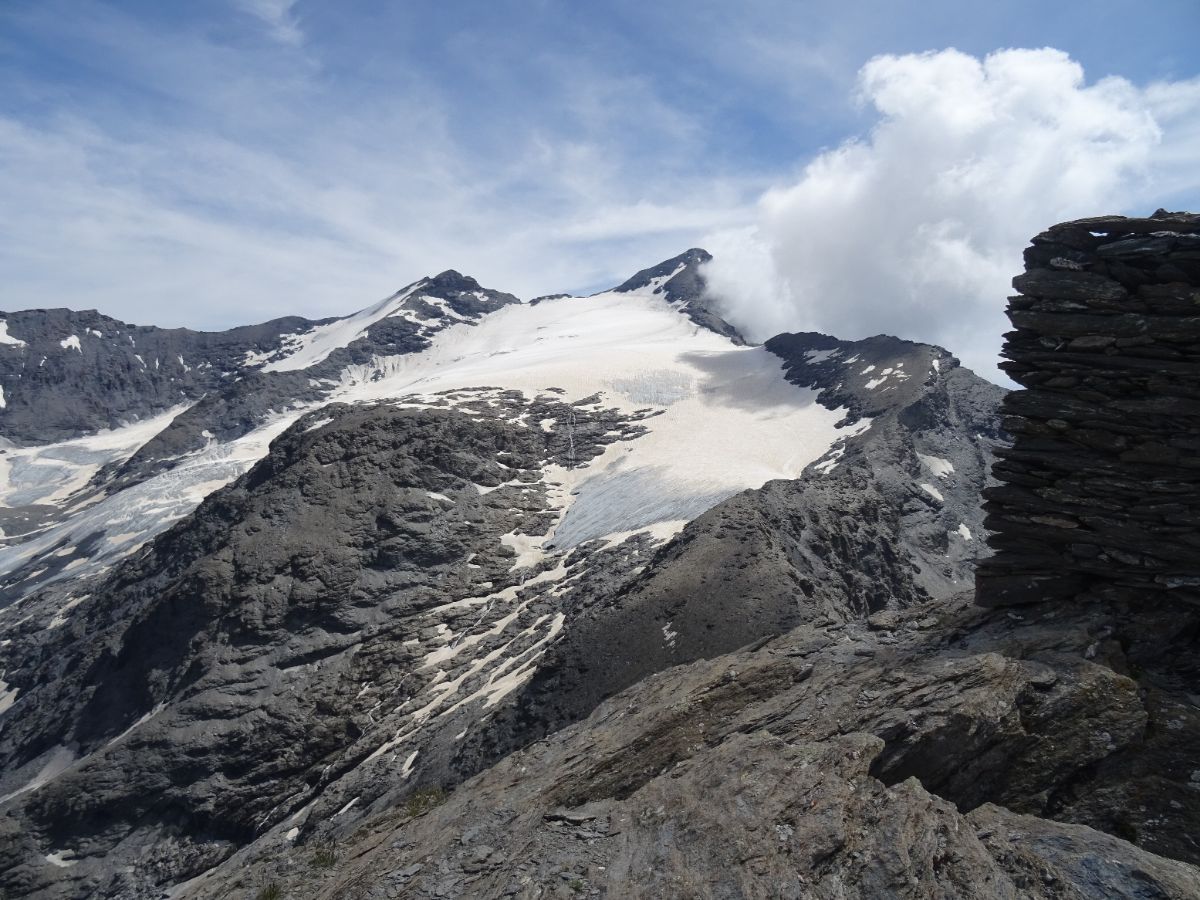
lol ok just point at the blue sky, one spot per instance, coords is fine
(224, 161)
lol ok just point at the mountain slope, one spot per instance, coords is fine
(397, 564)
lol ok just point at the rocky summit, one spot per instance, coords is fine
(462, 596)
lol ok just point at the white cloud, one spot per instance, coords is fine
(917, 230)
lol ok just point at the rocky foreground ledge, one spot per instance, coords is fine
(942, 751)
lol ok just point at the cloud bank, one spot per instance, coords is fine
(917, 230)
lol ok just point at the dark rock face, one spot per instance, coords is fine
(249, 662)
(1101, 488)
(68, 373)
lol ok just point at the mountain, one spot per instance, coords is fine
(465, 596)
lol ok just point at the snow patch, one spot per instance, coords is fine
(964, 532)
(320, 423)
(820, 356)
(528, 548)
(6, 338)
(831, 460)
(938, 467)
(659, 532)
(407, 768)
(60, 617)
(8, 695)
(933, 492)
(669, 635)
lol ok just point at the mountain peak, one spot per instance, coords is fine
(681, 282)
(453, 280)
(674, 287)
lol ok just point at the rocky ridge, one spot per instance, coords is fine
(942, 750)
(681, 282)
(67, 373)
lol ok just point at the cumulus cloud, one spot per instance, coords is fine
(917, 229)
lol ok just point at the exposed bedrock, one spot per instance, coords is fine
(1100, 492)
(259, 652)
(939, 751)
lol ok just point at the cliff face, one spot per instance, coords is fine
(1100, 492)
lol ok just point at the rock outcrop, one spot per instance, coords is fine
(940, 751)
(1101, 487)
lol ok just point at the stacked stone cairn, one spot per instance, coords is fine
(1099, 494)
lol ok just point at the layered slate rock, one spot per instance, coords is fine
(1101, 487)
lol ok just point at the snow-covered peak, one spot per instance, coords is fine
(680, 280)
(428, 305)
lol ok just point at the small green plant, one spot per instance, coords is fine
(422, 801)
(270, 891)
(576, 885)
(324, 857)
